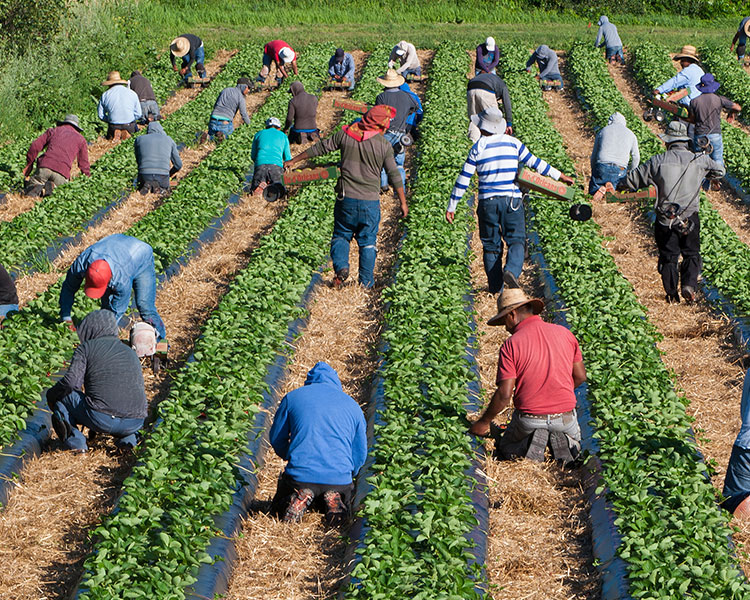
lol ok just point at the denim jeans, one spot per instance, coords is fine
(501, 218)
(515, 439)
(717, 142)
(417, 72)
(200, 59)
(358, 219)
(605, 172)
(150, 182)
(149, 107)
(76, 411)
(737, 479)
(220, 125)
(393, 138)
(6, 308)
(555, 78)
(615, 51)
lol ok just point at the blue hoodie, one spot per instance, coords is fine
(320, 430)
(607, 34)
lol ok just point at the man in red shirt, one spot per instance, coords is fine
(542, 362)
(281, 54)
(64, 144)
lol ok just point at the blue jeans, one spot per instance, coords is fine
(219, 125)
(149, 107)
(555, 77)
(6, 308)
(478, 71)
(393, 138)
(358, 219)
(737, 479)
(417, 72)
(615, 51)
(200, 59)
(76, 411)
(717, 153)
(603, 173)
(501, 218)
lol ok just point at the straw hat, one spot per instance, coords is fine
(113, 78)
(180, 46)
(509, 300)
(392, 79)
(747, 28)
(688, 52)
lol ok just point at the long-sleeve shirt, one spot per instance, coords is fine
(404, 104)
(495, 159)
(486, 59)
(689, 78)
(492, 83)
(142, 86)
(409, 61)
(64, 144)
(8, 293)
(119, 106)
(741, 35)
(302, 110)
(361, 163)
(195, 43)
(270, 147)
(608, 33)
(706, 109)
(343, 69)
(616, 144)
(156, 152)
(230, 101)
(546, 59)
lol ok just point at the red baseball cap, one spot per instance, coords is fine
(97, 278)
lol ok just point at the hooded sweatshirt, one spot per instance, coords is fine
(155, 151)
(141, 86)
(320, 431)
(546, 59)
(8, 293)
(303, 108)
(609, 33)
(106, 370)
(230, 101)
(616, 144)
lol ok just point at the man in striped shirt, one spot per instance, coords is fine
(495, 159)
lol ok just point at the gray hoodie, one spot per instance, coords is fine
(546, 59)
(609, 33)
(616, 144)
(155, 151)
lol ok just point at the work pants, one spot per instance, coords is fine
(615, 51)
(269, 174)
(75, 410)
(7, 308)
(149, 182)
(671, 245)
(476, 102)
(150, 109)
(44, 179)
(555, 77)
(300, 136)
(501, 218)
(200, 59)
(717, 145)
(116, 131)
(737, 479)
(393, 138)
(515, 439)
(225, 127)
(287, 486)
(358, 219)
(606, 173)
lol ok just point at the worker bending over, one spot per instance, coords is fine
(102, 388)
(119, 107)
(269, 151)
(546, 59)
(496, 158)
(737, 479)
(689, 76)
(615, 147)
(190, 49)
(62, 144)
(302, 115)
(321, 432)
(142, 86)
(364, 152)
(8, 294)
(112, 269)
(483, 92)
(540, 366)
(230, 101)
(157, 157)
(740, 38)
(608, 37)
(487, 57)
(405, 56)
(281, 54)
(706, 110)
(341, 67)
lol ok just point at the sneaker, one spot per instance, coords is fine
(538, 445)
(301, 500)
(61, 426)
(688, 293)
(336, 512)
(341, 276)
(510, 280)
(560, 447)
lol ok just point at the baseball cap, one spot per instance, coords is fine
(273, 122)
(98, 276)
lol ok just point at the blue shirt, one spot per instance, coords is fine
(689, 78)
(320, 431)
(345, 68)
(270, 147)
(119, 106)
(743, 36)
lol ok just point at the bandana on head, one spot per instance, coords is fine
(376, 120)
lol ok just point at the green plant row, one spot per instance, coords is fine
(418, 512)
(32, 346)
(675, 539)
(722, 62)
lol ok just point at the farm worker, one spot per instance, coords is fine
(737, 480)
(64, 144)
(112, 269)
(102, 388)
(321, 432)
(706, 110)
(229, 102)
(539, 367)
(405, 106)
(740, 38)
(142, 86)
(341, 67)
(157, 157)
(301, 115)
(677, 175)
(8, 294)
(405, 55)
(364, 152)
(614, 148)
(190, 49)
(119, 107)
(269, 151)
(495, 159)
(689, 77)
(415, 118)
(546, 60)
(608, 37)
(487, 57)
(483, 92)
(280, 54)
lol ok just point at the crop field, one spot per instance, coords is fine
(246, 290)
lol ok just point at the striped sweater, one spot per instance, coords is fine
(495, 159)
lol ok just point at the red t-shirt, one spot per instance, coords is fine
(273, 48)
(540, 357)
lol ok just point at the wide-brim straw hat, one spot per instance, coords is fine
(688, 52)
(747, 28)
(490, 120)
(392, 79)
(180, 46)
(511, 299)
(71, 120)
(114, 78)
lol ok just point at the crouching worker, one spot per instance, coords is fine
(737, 480)
(269, 151)
(8, 294)
(102, 389)
(539, 367)
(321, 432)
(157, 157)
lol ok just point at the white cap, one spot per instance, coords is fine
(286, 54)
(273, 122)
(490, 43)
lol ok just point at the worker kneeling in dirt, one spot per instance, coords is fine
(540, 366)
(322, 433)
(157, 157)
(737, 480)
(301, 115)
(102, 389)
(614, 148)
(677, 174)
(190, 49)
(114, 268)
(269, 151)
(608, 37)
(8, 294)
(119, 107)
(341, 67)
(230, 101)
(546, 59)
(280, 54)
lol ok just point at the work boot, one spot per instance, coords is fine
(538, 445)
(672, 299)
(124, 135)
(33, 190)
(219, 137)
(301, 500)
(510, 280)
(336, 512)
(560, 447)
(203, 137)
(61, 426)
(688, 293)
(341, 276)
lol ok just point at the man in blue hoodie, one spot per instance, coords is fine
(608, 36)
(322, 433)
(155, 153)
(546, 59)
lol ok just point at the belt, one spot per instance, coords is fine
(550, 416)
(218, 118)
